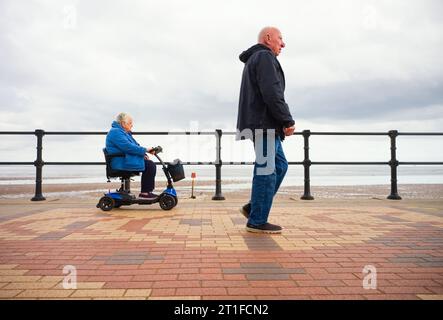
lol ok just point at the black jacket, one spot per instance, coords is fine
(262, 103)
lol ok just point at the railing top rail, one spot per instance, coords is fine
(377, 133)
(212, 133)
(106, 132)
(135, 133)
(326, 133)
(420, 133)
(348, 133)
(17, 132)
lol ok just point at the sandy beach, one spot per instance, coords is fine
(206, 189)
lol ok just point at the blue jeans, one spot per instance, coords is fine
(269, 170)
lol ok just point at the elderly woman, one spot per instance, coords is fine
(120, 140)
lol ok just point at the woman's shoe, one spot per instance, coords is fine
(148, 195)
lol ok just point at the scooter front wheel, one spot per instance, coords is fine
(106, 203)
(167, 202)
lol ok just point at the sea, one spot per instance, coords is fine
(239, 176)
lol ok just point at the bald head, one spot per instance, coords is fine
(265, 32)
(272, 38)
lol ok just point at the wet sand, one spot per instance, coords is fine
(207, 189)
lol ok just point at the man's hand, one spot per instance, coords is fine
(289, 131)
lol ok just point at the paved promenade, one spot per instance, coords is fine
(201, 250)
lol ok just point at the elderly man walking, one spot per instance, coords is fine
(264, 117)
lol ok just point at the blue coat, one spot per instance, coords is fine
(120, 141)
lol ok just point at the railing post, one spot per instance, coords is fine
(307, 165)
(394, 164)
(218, 164)
(38, 163)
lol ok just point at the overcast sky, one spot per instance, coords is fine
(349, 65)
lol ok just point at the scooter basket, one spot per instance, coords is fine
(176, 170)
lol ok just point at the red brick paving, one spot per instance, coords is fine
(153, 254)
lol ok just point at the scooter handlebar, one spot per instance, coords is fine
(156, 150)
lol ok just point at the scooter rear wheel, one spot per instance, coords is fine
(106, 203)
(167, 202)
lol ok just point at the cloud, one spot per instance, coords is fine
(74, 65)
(378, 100)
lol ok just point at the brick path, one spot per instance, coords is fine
(200, 250)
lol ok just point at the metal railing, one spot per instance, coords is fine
(218, 133)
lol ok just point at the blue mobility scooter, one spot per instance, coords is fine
(123, 196)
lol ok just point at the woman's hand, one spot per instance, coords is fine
(149, 150)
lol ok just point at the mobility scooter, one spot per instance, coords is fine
(123, 196)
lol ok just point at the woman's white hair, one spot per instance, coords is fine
(122, 117)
